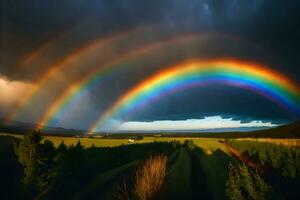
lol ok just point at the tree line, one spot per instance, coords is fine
(284, 158)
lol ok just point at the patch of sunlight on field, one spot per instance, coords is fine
(12, 135)
(285, 142)
(97, 142)
(209, 145)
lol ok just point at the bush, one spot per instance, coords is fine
(244, 183)
(140, 137)
(189, 144)
(150, 177)
(271, 155)
(37, 159)
(176, 144)
(233, 189)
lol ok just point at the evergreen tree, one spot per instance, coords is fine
(79, 146)
(289, 167)
(233, 189)
(36, 158)
(247, 182)
(261, 186)
(72, 160)
(62, 147)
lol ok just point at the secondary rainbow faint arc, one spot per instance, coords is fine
(77, 54)
(35, 54)
(77, 88)
(260, 78)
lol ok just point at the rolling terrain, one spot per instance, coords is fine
(196, 168)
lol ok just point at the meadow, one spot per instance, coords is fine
(208, 144)
(149, 168)
(286, 142)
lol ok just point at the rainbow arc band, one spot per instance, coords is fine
(252, 76)
(93, 79)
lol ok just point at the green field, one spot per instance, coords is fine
(197, 168)
(209, 145)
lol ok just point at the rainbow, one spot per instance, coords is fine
(65, 63)
(77, 89)
(254, 77)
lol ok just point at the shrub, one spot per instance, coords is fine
(140, 137)
(271, 155)
(62, 147)
(150, 177)
(36, 158)
(233, 188)
(190, 144)
(176, 144)
(244, 183)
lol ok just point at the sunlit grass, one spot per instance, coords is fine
(13, 135)
(150, 177)
(285, 142)
(209, 145)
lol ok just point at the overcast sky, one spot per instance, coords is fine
(36, 35)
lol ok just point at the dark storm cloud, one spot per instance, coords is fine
(213, 100)
(64, 26)
(27, 25)
(275, 27)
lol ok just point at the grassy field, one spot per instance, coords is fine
(10, 134)
(195, 170)
(209, 145)
(286, 142)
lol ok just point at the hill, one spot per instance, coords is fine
(291, 130)
(17, 127)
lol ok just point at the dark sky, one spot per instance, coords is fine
(37, 34)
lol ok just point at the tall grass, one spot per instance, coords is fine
(150, 177)
(284, 142)
(285, 158)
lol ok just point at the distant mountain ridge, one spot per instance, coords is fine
(291, 130)
(21, 127)
(213, 130)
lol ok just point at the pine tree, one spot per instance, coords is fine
(261, 186)
(36, 158)
(233, 189)
(247, 182)
(62, 147)
(79, 146)
(30, 156)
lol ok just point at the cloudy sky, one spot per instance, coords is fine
(75, 38)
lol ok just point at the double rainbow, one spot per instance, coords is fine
(76, 90)
(254, 77)
(67, 63)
